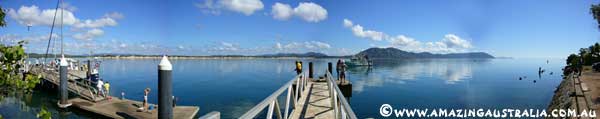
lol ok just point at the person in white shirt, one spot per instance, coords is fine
(99, 86)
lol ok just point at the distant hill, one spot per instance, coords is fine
(392, 53)
(308, 54)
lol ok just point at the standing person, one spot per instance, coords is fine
(343, 71)
(146, 92)
(338, 67)
(298, 67)
(107, 90)
(99, 85)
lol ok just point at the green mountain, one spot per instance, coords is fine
(393, 53)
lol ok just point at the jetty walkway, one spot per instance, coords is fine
(306, 97)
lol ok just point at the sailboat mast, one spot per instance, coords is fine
(61, 29)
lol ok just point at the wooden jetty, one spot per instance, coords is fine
(88, 99)
(77, 83)
(126, 109)
(319, 98)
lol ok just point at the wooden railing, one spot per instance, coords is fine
(77, 85)
(272, 102)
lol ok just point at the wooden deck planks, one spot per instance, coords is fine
(121, 109)
(316, 105)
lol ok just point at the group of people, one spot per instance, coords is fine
(103, 89)
(340, 69)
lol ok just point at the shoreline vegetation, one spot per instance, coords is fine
(579, 65)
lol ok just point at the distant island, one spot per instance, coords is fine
(374, 53)
(393, 53)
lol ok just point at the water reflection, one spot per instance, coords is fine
(451, 71)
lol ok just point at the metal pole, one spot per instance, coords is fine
(330, 67)
(89, 69)
(63, 84)
(165, 92)
(310, 70)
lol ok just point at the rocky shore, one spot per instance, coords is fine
(562, 95)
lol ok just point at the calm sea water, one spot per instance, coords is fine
(234, 86)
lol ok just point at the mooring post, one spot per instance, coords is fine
(310, 70)
(330, 67)
(63, 84)
(89, 69)
(165, 92)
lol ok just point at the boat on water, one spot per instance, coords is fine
(359, 61)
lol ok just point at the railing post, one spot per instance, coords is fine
(287, 102)
(335, 105)
(270, 112)
(277, 109)
(296, 97)
(343, 113)
(310, 70)
(302, 85)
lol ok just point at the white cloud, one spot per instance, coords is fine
(358, 31)
(225, 47)
(246, 7)
(281, 11)
(12, 39)
(89, 35)
(454, 41)
(302, 46)
(310, 12)
(106, 21)
(402, 40)
(32, 15)
(123, 45)
(68, 6)
(209, 7)
(243, 6)
(450, 43)
(278, 45)
(348, 23)
(114, 15)
(307, 11)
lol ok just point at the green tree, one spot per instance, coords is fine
(2, 22)
(11, 60)
(573, 60)
(595, 10)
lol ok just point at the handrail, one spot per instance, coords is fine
(273, 103)
(346, 110)
(77, 84)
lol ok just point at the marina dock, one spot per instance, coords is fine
(88, 99)
(126, 109)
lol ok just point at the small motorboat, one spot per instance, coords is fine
(359, 61)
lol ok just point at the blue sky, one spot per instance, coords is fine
(514, 28)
